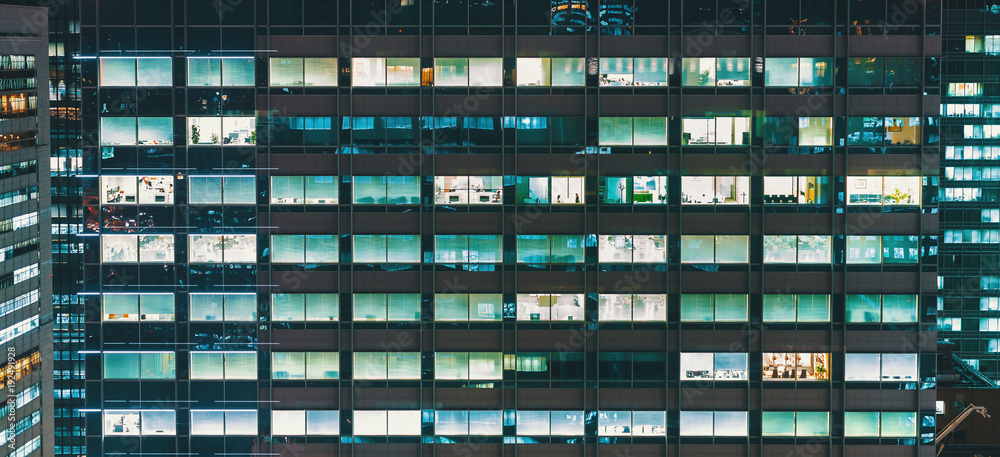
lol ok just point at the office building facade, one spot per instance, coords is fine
(25, 265)
(969, 306)
(566, 227)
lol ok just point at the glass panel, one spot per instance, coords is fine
(451, 365)
(206, 307)
(157, 307)
(862, 367)
(237, 72)
(368, 72)
(204, 130)
(899, 308)
(451, 72)
(533, 423)
(486, 72)
(568, 71)
(696, 423)
(286, 71)
(567, 423)
(567, 248)
(566, 191)
(864, 249)
(814, 308)
(404, 365)
(241, 365)
(697, 308)
(403, 307)
(861, 424)
(121, 307)
(733, 71)
(159, 422)
(205, 190)
(615, 248)
(288, 423)
(815, 72)
(812, 423)
(650, 131)
(697, 365)
(698, 71)
(206, 423)
(649, 189)
(863, 308)
(616, 71)
(207, 365)
(322, 248)
(483, 423)
(780, 248)
(614, 307)
(650, 71)
(241, 307)
(241, 422)
(369, 307)
(370, 365)
(781, 71)
(731, 248)
(697, 249)
(451, 423)
(287, 307)
(402, 71)
(899, 367)
(614, 423)
(533, 71)
(730, 423)
(534, 307)
(118, 131)
(118, 72)
(731, 308)
(156, 131)
(322, 307)
(321, 71)
(322, 365)
(485, 307)
(814, 249)
(204, 71)
(779, 308)
(367, 423)
(121, 365)
(288, 365)
(615, 190)
(119, 248)
(815, 131)
(730, 366)
(899, 424)
(322, 422)
(775, 423)
(287, 248)
(615, 130)
(648, 423)
(485, 365)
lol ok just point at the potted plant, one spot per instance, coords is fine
(820, 371)
(253, 137)
(195, 134)
(215, 138)
(897, 196)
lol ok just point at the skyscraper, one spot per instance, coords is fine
(414, 227)
(25, 241)
(969, 306)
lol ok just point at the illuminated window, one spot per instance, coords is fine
(715, 190)
(796, 366)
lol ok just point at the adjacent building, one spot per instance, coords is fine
(969, 306)
(25, 240)
(549, 228)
